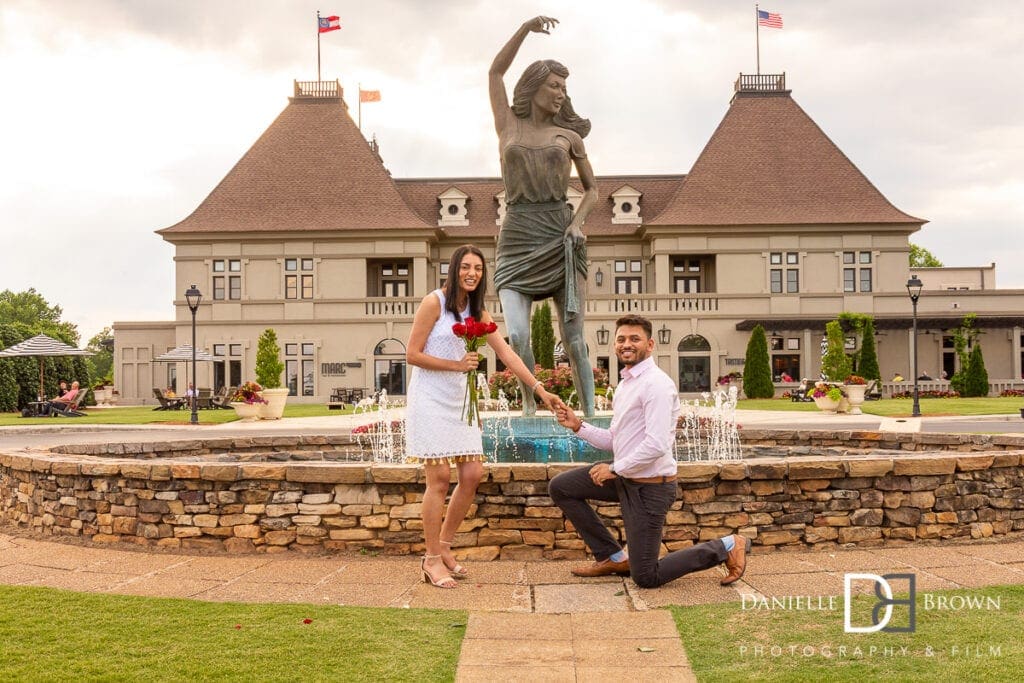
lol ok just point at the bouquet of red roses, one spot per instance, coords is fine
(474, 333)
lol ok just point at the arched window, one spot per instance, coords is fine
(694, 364)
(694, 342)
(389, 367)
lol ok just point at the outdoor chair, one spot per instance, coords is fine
(204, 399)
(71, 410)
(873, 392)
(167, 403)
(223, 397)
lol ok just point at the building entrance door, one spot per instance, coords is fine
(694, 373)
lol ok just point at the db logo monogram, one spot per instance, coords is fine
(883, 590)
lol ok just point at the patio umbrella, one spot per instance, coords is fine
(41, 346)
(183, 354)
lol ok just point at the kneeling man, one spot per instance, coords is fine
(641, 477)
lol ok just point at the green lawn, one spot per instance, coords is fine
(53, 635)
(902, 407)
(146, 415)
(727, 643)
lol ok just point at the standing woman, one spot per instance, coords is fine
(436, 430)
(541, 247)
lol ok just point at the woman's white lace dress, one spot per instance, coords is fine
(435, 424)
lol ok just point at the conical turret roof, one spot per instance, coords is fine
(311, 170)
(769, 163)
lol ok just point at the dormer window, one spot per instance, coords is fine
(626, 205)
(453, 207)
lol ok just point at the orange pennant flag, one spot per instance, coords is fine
(369, 95)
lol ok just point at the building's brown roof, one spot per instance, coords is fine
(311, 170)
(482, 209)
(768, 163)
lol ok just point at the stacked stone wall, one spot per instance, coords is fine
(865, 498)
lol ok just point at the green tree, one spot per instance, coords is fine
(835, 364)
(922, 258)
(867, 367)
(268, 360)
(31, 309)
(24, 315)
(101, 363)
(976, 376)
(757, 371)
(965, 338)
(542, 337)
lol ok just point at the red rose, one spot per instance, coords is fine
(459, 330)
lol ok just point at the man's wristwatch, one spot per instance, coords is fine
(611, 468)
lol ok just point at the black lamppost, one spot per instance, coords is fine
(193, 296)
(914, 287)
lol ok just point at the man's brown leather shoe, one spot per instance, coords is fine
(604, 568)
(736, 560)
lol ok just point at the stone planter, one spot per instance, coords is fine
(855, 395)
(275, 399)
(247, 412)
(825, 404)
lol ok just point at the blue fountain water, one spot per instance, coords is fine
(538, 439)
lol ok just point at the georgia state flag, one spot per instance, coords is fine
(331, 23)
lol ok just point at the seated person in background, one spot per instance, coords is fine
(944, 375)
(786, 377)
(64, 400)
(169, 393)
(63, 388)
(191, 391)
(897, 377)
(925, 376)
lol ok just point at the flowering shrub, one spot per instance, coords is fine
(378, 427)
(1012, 392)
(928, 394)
(729, 378)
(856, 380)
(248, 393)
(557, 381)
(822, 390)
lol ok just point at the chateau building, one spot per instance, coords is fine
(310, 235)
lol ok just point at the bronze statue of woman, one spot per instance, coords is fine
(541, 247)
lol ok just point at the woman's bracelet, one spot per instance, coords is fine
(535, 385)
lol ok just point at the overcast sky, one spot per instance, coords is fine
(118, 117)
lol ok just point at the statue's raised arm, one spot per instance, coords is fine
(504, 58)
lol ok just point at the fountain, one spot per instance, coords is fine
(707, 430)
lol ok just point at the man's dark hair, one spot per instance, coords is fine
(636, 321)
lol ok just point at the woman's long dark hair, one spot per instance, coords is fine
(451, 285)
(529, 83)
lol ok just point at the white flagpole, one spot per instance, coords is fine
(757, 39)
(318, 46)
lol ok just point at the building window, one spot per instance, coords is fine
(299, 362)
(687, 275)
(776, 258)
(389, 279)
(865, 279)
(849, 257)
(628, 285)
(776, 276)
(296, 285)
(786, 367)
(865, 257)
(233, 282)
(849, 279)
(227, 366)
(792, 258)
(444, 274)
(792, 280)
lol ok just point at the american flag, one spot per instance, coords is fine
(769, 19)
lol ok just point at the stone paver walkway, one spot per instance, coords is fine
(528, 620)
